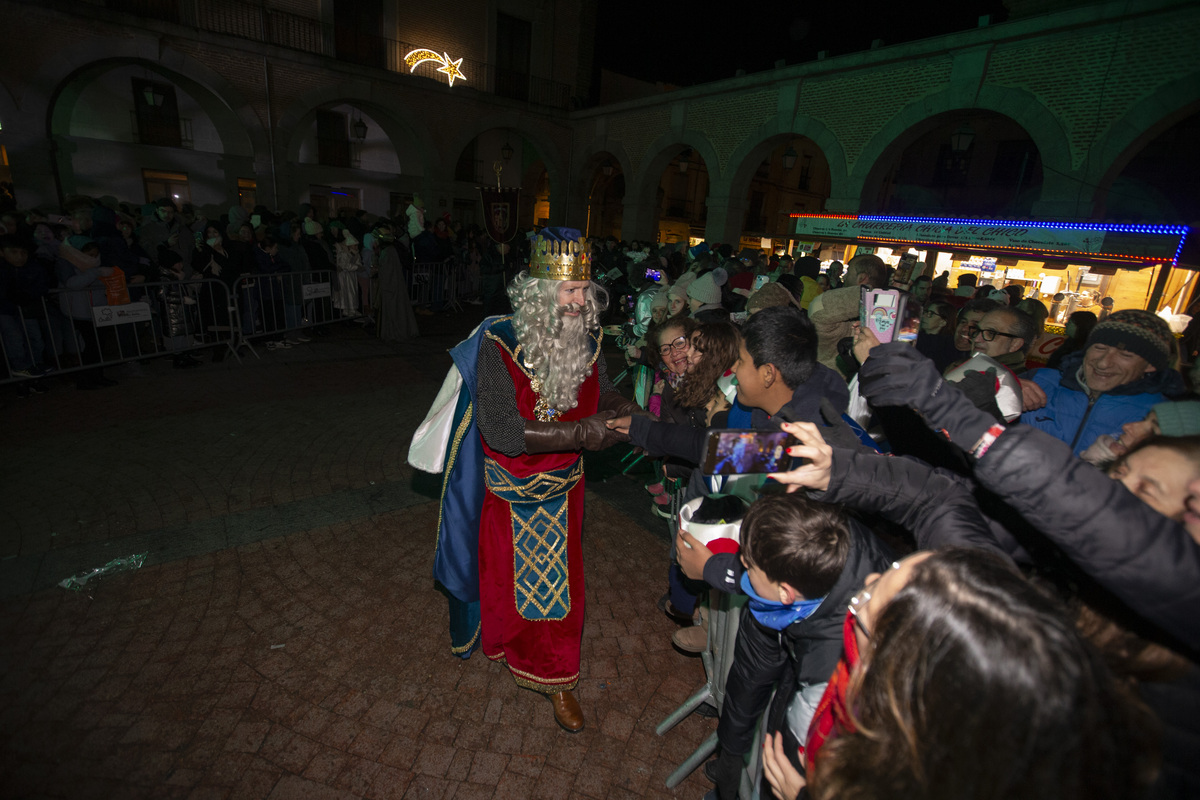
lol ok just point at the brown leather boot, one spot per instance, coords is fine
(567, 712)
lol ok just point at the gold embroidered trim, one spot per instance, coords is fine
(470, 644)
(455, 443)
(527, 680)
(538, 487)
(541, 565)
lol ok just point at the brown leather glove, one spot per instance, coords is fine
(621, 406)
(589, 433)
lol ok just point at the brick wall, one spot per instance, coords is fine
(856, 105)
(726, 121)
(1089, 78)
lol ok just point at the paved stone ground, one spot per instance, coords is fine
(283, 638)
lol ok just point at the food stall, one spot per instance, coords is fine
(1094, 266)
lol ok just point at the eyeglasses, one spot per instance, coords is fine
(675, 344)
(931, 313)
(859, 602)
(988, 334)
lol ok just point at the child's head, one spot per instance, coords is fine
(794, 546)
(784, 337)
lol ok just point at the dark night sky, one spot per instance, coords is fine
(686, 43)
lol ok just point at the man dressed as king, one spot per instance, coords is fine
(540, 396)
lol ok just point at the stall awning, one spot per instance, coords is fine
(1129, 246)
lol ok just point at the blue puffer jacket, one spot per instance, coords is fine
(1072, 417)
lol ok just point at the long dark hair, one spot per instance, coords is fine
(719, 343)
(976, 685)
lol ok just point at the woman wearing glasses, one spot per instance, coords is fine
(935, 340)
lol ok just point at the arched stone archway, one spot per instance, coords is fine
(381, 171)
(1148, 119)
(808, 180)
(412, 144)
(544, 147)
(641, 197)
(41, 151)
(584, 168)
(94, 124)
(604, 174)
(871, 165)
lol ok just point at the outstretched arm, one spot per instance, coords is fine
(1149, 562)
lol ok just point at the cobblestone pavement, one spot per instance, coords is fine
(283, 638)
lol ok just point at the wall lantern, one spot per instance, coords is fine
(961, 139)
(685, 160)
(506, 152)
(154, 96)
(360, 129)
(789, 157)
(607, 168)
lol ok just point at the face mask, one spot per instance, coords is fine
(214, 241)
(777, 616)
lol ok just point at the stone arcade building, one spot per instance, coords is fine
(349, 103)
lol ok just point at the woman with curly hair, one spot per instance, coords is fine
(714, 350)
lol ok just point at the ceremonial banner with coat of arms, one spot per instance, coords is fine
(500, 206)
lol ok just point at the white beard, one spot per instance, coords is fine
(562, 362)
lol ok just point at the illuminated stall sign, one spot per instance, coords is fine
(1136, 243)
(449, 67)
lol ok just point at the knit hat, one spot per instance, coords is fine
(659, 300)
(348, 238)
(1143, 333)
(707, 288)
(312, 227)
(768, 295)
(678, 290)
(1178, 419)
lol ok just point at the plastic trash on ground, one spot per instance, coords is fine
(76, 582)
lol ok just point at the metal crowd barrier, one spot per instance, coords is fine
(724, 611)
(272, 305)
(439, 285)
(71, 330)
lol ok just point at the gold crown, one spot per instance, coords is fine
(559, 260)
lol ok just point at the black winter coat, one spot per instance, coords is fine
(803, 654)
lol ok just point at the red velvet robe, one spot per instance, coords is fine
(542, 655)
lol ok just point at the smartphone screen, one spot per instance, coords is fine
(908, 320)
(746, 452)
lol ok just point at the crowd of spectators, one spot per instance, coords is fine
(984, 578)
(191, 268)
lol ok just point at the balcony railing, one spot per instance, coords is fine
(282, 29)
(163, 135)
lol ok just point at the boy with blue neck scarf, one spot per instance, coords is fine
(800, 563)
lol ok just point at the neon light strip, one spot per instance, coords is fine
(1080, 226)
(1172, 230)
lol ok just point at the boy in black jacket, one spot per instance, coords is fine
(800, 563)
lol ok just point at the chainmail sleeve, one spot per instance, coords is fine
(496, 414)
(606, 385)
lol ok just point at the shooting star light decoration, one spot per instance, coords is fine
(448, 66)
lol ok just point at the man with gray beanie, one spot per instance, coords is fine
(1126, 369)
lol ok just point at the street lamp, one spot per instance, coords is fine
(961, 139)
(607, 168)
(506, 152)
(684, 160)
(789, 157)
(360, 129)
